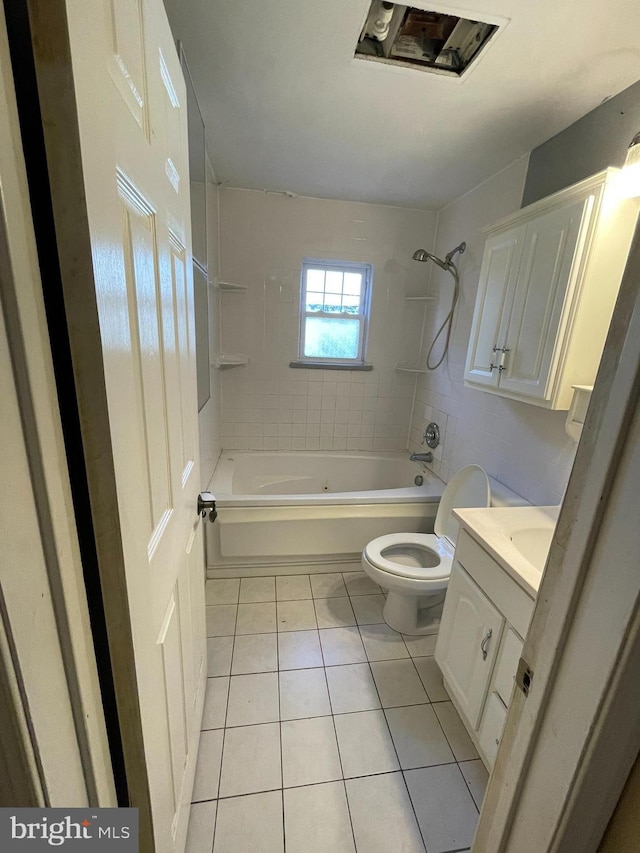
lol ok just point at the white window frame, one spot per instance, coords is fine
(366, 270)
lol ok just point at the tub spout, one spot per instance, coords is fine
(421, 457)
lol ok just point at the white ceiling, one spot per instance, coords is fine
(287, 107)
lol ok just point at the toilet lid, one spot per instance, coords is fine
(469, 487)
(411, 555)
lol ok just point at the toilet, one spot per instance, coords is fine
(414, 568)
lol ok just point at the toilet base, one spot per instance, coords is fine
(412, 614)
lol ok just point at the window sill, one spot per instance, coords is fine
(329, 365)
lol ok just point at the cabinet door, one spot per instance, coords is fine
(490, 733)
(468, 641)
(493, 305)
(545, 284)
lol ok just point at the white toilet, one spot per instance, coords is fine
(415, 567)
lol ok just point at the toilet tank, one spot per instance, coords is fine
(502, 495)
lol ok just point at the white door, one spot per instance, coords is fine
(493, 305)
(545, 284)
(468, 641)
(133, 135)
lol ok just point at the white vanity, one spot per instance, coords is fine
(495, 576)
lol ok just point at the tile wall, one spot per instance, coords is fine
(523, 446)
(266, 405)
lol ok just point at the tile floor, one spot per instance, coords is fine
(324, 731)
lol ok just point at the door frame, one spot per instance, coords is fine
(581, 525)
(582, 622)
(54, 749)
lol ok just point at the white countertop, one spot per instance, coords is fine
(518, 538)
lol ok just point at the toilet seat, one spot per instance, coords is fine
(437, 555)
(469, 487)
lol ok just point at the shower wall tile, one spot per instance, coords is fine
(268, 405)
(523, 446)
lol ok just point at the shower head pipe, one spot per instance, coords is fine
(424, 256)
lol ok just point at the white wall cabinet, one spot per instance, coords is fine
(549, 280)
(485, 616)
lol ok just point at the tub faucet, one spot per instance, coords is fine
(421, 457)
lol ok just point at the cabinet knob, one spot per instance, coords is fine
(485, 643)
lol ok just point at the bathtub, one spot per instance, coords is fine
(312, 512)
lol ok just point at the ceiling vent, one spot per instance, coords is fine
(417, 38)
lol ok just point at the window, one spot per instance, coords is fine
(334, 312)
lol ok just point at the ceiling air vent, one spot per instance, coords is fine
(418, 38)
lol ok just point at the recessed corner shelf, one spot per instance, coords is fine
(230, 287)
(230, 359)
(419, 298)
(410, 368)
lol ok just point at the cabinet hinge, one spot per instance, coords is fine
(524, 676)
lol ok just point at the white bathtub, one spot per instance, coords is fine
(312, 511)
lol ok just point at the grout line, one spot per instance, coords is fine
(335, 732)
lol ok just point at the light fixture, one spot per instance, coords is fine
(633, 151)
(631, 170)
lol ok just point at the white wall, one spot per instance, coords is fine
(268, 405)
(523, 446)
(210, 416)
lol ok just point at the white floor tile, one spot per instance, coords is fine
(222, 591)
(454, 729)
(303, 693)
(358, 583)
(477, 777)
(309, 752)
(383, 643)
(398, 683)
(445, 810)
(290, 587)
(368, 609)
(328, 586)
(420, 646)
(296, 615)
(334, 612)
(221, 620)
(431, 677)
(251, 760)
(365, 744)
(352, 688)
(316, 819)
(219, 651)
(382, 815)
(253, 699)
(299, 650)
(202, 819)
(257, 589)
(341, 645)
(255, 653)
(205, 786)
(215, 703)
(256, 618)
(250, 824)
(418, 737)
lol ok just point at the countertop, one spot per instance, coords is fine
(496, 528)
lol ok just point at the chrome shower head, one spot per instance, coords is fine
(423, 255)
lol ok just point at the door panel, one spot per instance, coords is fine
(467, 619)
(542, 290)
(495, 293)
(137, 196)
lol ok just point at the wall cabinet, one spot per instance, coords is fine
(549, 280)
(485, 616)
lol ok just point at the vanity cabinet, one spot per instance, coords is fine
(486, 614)
(548, 284)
